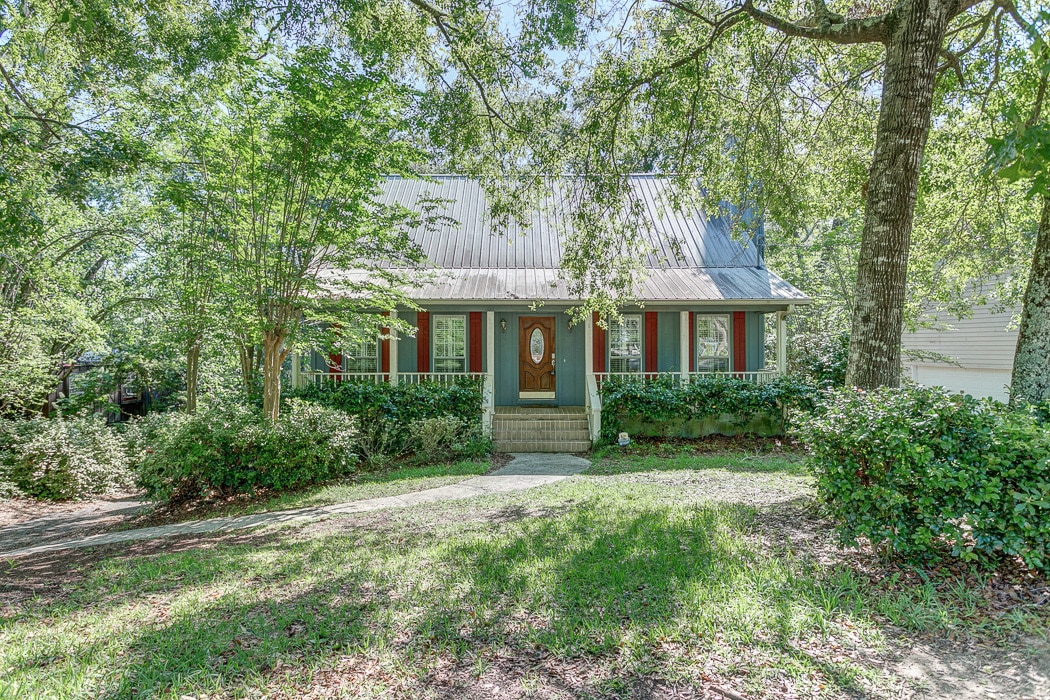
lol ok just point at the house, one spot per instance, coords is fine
(497, 309)
(973, 355)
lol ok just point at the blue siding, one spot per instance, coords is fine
(668, 341)
(754, 324)
(406, 345)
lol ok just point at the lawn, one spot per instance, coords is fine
(626, 581)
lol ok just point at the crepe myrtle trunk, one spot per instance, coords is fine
(1030, 382)
(908, 81)
(193, 365)
(274, 354)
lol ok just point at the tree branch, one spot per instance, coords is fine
(833, 28)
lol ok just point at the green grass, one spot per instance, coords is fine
(645, 457)
(632, 579)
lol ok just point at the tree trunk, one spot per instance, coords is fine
(274, 354)
(904, 125)
(193, 363)
(246, 353)
(1031, 376)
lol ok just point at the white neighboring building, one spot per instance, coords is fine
(983, 345)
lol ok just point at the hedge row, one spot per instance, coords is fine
(665, 398)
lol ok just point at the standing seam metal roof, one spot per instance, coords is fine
(474, 261)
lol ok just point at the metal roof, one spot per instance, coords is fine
(544, 284)
(695, 258)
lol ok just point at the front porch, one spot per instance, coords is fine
(542, 375)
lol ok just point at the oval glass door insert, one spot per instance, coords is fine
(536, 345)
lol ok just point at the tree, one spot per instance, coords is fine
(73, 78)
(660, 92)
(1023, 154)
(306, 238)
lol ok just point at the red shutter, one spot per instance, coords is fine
(739, 342)
(475, 341)
(599, 345)
(423, 342)
(650, 341)
(384, 350)
(692, 341)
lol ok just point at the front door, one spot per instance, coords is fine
(536, 357)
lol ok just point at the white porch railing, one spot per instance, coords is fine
(320, 378)
(762, 376)
(594, 408)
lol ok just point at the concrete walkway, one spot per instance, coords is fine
(525, 471)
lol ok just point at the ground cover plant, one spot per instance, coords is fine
(604, 585)
(923, 473)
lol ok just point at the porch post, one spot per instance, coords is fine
(588, 344)
(393, 348)
(489, 400)
(782, 342)
(296, 379)
(683, 344)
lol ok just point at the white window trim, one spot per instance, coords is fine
(729, 341)
(348, 357)
(434, 358)
(641, 344)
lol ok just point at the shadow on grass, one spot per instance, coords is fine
(604, 579)
(615, 460)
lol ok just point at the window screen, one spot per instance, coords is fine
(712, 343)
(450, 343)
(625, 345)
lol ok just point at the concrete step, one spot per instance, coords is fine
(543, 446)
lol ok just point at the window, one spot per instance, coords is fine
(361, 355)
(712, 343)
(450, 343)
(625, 345)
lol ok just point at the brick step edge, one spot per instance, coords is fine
(553, 446)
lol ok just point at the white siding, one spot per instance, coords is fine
(982, 345)
(976, 382)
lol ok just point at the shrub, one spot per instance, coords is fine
(395, 418)
(665, 398)
(447, 437)
(62, 459)
(231, 448)
(921, 472)
(821, 359)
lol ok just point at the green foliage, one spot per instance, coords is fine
(62, 459)
(922, 472)
(400, 404)
(820, 360)
(447, 437)
(665, 398)
(231, 448)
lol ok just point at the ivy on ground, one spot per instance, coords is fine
(663, 397)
